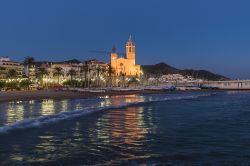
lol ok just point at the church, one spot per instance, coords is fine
(126, 66)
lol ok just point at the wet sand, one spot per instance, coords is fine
(53, 94)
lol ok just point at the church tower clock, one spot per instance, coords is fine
(130, 50)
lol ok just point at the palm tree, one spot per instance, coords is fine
(86, 74)
(81, 75)
(58, 71)
(2, 85)
(41, 73)
(98, 70)
(29, 61)
(71, 73)
(12, 74)
(111, 72)
(103, 72)
(85, 69)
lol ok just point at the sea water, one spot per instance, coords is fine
(191, 128)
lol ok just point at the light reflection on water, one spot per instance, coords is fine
(107, 137)
(48, 107)
(17, 111)
(120, 132)
(14, 113)
(128, 124)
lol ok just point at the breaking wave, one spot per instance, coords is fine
(49, 119)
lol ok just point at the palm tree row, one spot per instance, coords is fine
(94, 76)
(41, 73)
(91, 75)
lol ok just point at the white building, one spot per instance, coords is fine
(6, 64)
(83, 70)
(228, 85)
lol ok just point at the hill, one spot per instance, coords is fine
(163, 68)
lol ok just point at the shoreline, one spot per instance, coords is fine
(10, 96)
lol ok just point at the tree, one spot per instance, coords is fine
(58, 71)
(133, 81)
(103, 72)
(85, 69)
(111, 71)
(12, 74)
(12, 85)
(24, 84)
(98, 70)
(71, 73)
(74, 83)
(41, 73)
(29, 61)
(81, 74)
(2, 85)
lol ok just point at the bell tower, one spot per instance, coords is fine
(130, 49)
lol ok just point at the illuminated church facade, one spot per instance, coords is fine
(126, 66)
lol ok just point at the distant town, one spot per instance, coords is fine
(119, 72)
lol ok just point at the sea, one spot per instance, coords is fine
(175, 128)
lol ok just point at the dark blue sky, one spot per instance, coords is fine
(200, 34)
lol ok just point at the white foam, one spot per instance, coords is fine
(45, 120)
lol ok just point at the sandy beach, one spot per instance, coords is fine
(54, 94)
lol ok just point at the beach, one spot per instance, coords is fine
(58, 94)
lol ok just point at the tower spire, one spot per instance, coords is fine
(130, 38)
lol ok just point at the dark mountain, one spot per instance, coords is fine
(71, 61)
(159, 69)
(163, 68)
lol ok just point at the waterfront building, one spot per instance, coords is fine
(88, 71)
(227, 85)
(95, 71)
(29, 70)
(6, 64)
(65, 67)
(126, 66)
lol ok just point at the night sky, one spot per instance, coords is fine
(199, 34)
